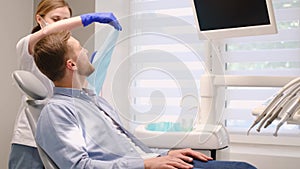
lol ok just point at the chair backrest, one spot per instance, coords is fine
(36, 94)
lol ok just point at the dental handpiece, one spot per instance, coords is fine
(264, 113)
(270, 112)
(278, 95)
(296, 116)
(289, 113)
(291, 94)
(274, 116)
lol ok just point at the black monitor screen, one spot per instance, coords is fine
(223, 14)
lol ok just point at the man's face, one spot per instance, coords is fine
(79, 55)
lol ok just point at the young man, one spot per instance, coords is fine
(78, 129)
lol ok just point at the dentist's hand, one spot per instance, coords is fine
(107, 18)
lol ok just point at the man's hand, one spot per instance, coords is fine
(166, 162)
(188, 155)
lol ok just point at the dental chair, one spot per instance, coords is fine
(36, 97)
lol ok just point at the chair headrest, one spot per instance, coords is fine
(30, 84)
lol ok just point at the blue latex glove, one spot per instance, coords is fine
(106, 17)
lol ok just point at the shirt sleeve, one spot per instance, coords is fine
(25, 60)
(59, 135)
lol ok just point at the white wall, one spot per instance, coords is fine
(83, 34)
(16, 22)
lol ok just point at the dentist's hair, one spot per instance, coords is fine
(45, 6)
(51, 53)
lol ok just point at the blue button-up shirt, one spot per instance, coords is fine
(74, 131)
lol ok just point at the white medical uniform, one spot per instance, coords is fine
(22, 133)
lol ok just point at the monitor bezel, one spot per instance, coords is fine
(239, 31)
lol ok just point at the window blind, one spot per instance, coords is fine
(168, 61)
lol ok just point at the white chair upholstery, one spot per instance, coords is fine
(36, 94)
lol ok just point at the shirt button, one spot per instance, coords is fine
(131, 149)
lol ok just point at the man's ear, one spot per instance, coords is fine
(71, 64)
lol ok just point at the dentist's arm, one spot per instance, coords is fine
(71, 23)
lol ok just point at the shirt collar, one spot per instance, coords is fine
(72, 92)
